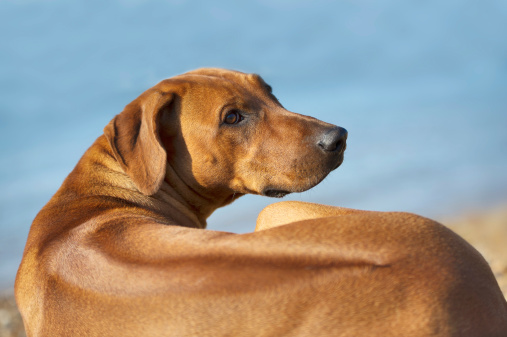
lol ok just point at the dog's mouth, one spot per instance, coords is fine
(338, 163)
(275, 193)
(280, 193)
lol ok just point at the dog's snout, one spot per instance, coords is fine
(334, 140)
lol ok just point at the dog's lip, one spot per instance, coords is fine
(275, 193)
(339, 162)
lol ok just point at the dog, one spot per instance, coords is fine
(121, 248)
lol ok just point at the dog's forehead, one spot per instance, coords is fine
(216, 86)
(224, 77)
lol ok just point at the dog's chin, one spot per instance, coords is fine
(280, 192)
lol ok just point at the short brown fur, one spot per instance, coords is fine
(120, 249)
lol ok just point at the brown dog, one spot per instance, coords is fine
(120, 250)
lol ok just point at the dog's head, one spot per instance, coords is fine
(223, 133)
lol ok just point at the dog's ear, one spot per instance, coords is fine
(135, 139)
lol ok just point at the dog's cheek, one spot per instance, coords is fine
(211, 171)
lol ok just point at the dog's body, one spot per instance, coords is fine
(120, 249)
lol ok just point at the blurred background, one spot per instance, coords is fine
(421, 86)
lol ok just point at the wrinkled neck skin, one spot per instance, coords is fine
(175, 202)
(191, 207)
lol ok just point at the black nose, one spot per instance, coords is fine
(333, 140)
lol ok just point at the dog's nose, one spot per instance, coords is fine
(334, 140)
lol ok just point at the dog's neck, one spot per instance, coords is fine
(175, 200)
(179, 210)
(193, 208)
(184, 210)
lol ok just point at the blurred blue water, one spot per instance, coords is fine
(420, 86)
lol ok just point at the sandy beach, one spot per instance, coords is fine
(486, 231)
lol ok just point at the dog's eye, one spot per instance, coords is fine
(233, 117)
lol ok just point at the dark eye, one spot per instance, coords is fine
(233, 117)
